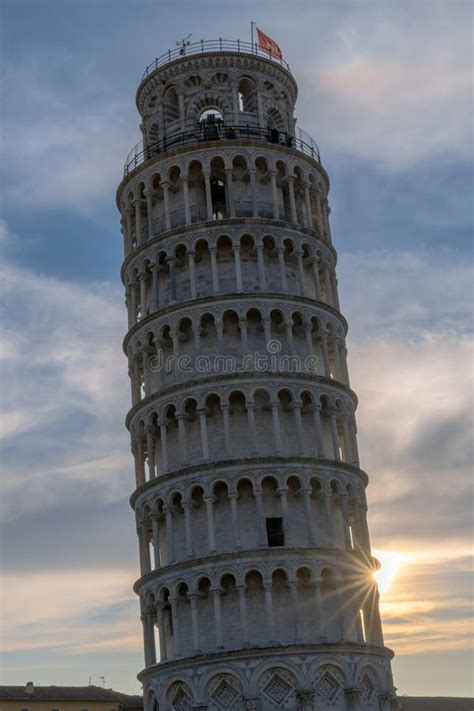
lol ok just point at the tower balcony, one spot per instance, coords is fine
(211, 46)
(206, 132)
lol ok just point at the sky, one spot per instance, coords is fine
(385, 90)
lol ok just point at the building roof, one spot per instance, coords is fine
(67, 693)
(436, 703)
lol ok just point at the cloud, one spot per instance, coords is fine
(62, 602)
(64, 391)
(393, 87)
(66, 151)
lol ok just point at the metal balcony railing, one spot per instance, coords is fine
(219, 131)
(204, 46)
(198, 214)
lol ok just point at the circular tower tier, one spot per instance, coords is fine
(257, 580)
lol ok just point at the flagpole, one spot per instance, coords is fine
(251, 34)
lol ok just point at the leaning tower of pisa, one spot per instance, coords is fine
(256, 587)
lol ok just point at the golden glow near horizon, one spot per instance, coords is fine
(390, 563)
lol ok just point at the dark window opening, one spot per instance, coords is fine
(275, 534)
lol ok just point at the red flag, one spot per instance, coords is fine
(268, 45)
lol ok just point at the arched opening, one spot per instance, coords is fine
(218, 189)
(247, 95)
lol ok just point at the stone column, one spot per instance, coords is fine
(225, 415)
(335, 295)
(252, 427)
(244, 336)
(215, 279)
(230, 192)
(161, 632)
(207, 187)
(335, 439)
(235, 522)
(188, 506)
(253, 190)
(261, 268)
(149, 212)
(218, 618)
(149, 639)
(318, 432)
(307, 198)
(166, 201)
(181, 437)
(192, 273)
(269, 610)
(325, 351)
(283, 494)
(155, 525)
(137, 449)
(238, 270)
(155, 300)
(171, 261)
(291, 192)
(133, 301)
(295, 608)
(129, 231)
(327, 494)
(299, 259)
(243, 614)
(289, 335)
(347, 440)
(138, 221)
(276, 428)
(276, 215)
(175, 617)
(298, 427)
(203, 428)
(262, 531)
(327, 281)
(150, 445)
(195, 623)
(319, 629)
(235, 103)
(169, 535)
(210, 523)
(345, 521)
(308, 515)
(187, 208)
(281, 262)
(144, 548)
(164, 448)
(317, 283)
(305, 699)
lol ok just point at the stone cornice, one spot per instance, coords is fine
(219, 226)
(288, 553)
(250, 296)
(328, 648)
(216, 145)
(240, 379)
(250, 462)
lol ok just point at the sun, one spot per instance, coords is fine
(390, 563)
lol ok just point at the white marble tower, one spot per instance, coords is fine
(256, 572)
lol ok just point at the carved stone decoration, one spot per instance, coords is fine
(368, 688)
(181, 701)
(328, 686)
(277, 689)
(225, 695)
